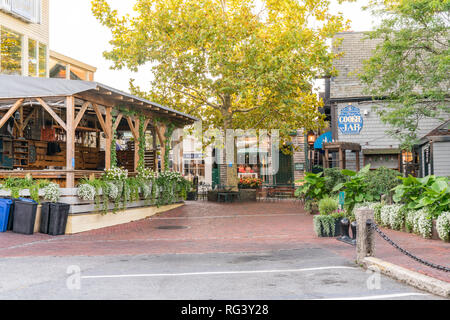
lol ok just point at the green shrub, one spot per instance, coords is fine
(381, 181)
(312, 188)
(356, 188)
(311, 206)
(431, 193)
(333, 177)
(328, 206)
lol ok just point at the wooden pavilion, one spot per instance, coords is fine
(341, 147)
(55, 128)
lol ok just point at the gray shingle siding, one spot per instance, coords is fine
(355, 49)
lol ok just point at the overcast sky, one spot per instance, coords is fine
(76, 33)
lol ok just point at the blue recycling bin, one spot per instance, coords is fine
(5, 207)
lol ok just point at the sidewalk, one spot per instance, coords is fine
(214, 228)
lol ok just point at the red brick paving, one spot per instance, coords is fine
(216, 227)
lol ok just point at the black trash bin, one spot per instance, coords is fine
(24, 216)
(45, 217)
(58, 218)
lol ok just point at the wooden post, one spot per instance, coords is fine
(70, 142)
(341, 159)
(108, 133)
(161, 132)
(137, 123)
(358, 165)
(325, 160)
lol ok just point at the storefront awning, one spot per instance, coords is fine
(326, 137)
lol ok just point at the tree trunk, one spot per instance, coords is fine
(231, 168)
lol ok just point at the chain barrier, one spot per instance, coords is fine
(392, 243)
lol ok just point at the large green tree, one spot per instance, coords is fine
(235, 64)
(411, 65)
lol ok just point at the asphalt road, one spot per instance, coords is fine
(312, 273)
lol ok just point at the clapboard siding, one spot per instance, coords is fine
(441, 158)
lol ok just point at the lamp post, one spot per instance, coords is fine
(311, 139)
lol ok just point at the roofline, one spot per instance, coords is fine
(71, 61)
(119, 92)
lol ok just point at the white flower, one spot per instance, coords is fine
(86, 192)
(423, 223)
(52, 192)
(112, 191)
(443, 226)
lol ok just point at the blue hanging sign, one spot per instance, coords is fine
(350, 120)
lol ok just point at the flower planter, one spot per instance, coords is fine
(24, 216)
(248, 194)
(191, 196)
(212, 196)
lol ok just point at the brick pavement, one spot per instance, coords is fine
(212, 227)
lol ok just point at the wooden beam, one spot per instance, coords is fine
(100, 119)
(25, 123)
(10, 112)
(133, 127)
(81, 114)
(96, 98)
(70, 142)
(118, 119)
(52, 113)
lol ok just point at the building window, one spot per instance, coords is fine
(10, 52)
(57, 69)
(32, 58)
(42, 60)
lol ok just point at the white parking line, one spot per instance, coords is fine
(149, 275)
(385, 296)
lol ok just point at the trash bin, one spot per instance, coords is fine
(24, 216)
(58, 218)
(5, 206)
(45, 217)
(11, 214)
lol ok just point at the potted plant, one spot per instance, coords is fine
(248, 188)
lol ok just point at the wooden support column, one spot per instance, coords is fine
(70, 142)
(358, 165)
(161, 132)
(107, 125)
(325, 160)
(341, 159)
(137, 123)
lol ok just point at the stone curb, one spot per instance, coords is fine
(415, 279)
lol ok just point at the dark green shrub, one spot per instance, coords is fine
(381, 182)
(333, 177)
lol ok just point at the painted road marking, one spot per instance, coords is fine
(149, 275)
(385, 296)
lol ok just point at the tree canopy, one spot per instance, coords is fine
(410, 67)
(232, 63)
